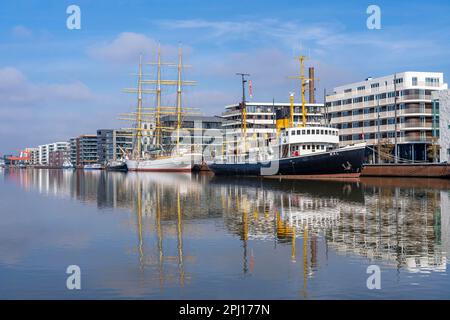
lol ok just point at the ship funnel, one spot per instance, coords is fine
(312, 88)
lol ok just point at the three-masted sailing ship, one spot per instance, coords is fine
(167, 155)
(298, 148)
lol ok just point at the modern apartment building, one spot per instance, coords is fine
(393, 108)
(73, 150)
(34, 156)
(441, 102)
(261, 117)
(83, 150)
(201, 131)
(56, 158)
(111, 143)
(43, 153)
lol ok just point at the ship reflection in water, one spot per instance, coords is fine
(156, 235)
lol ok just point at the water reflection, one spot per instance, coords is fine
(403, 224)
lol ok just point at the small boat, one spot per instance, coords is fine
(116, 165)
(68, 165)
(94, 166)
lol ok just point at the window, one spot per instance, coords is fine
(414, 81)
(374, 85)
(309, 147)
(303, 131)
(347, 90)
(361, 88)
(298, 132)
(304, 147)
(432, 82)
(293, 133)
(308, 132)
(326, 131)
(399, 80)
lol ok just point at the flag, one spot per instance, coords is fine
(250, 88)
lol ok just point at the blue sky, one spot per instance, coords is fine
(56, 83)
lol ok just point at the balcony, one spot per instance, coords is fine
(416, 139)
(417, 124)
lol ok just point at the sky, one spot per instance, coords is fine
(57, 83)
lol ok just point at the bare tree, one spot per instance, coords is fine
(384, 149)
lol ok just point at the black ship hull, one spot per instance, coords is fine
(344, 161)
(117, 167)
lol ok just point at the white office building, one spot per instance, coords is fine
(441, 101)
(44, 150)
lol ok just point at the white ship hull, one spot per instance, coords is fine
(170, 164)
(95, 166)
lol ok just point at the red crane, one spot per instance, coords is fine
(24, 156)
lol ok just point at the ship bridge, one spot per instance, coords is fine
(305, 140)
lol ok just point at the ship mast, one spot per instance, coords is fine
(139, 107)
(303, 82)
(178, 110)
(155, 113)
(244, 110)
(158, 100)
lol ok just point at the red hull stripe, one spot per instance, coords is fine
(160, 170)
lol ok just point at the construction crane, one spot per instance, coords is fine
(23, 156)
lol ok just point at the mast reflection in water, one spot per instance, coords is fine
(158, 235)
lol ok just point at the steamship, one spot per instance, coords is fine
(308, 151)
(297, 149)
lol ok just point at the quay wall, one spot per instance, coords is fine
(407, 170)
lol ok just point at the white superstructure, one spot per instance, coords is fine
(261, 117)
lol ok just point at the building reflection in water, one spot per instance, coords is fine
(402, 224)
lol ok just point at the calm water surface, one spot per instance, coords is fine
(183, 236)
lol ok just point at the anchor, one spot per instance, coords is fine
(347, 167)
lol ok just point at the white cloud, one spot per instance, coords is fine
(21, 32)
(35, 113)
(17, 91)
(264, 30)
(127, 47)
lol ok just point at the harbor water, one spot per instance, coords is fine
(196, 236)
